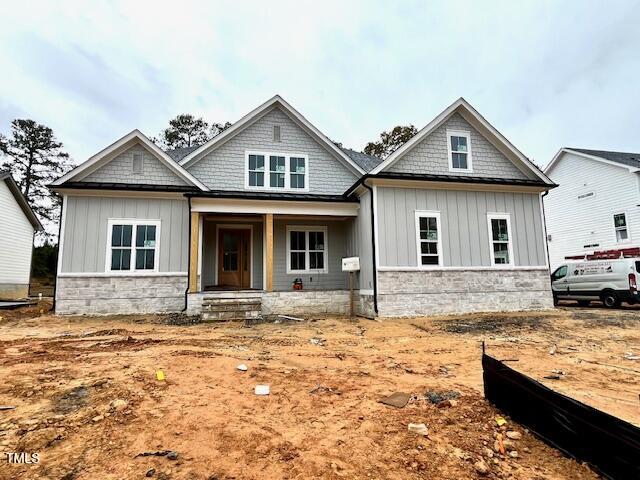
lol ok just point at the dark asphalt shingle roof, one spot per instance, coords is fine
(364, 161)
(628, 159)
(179, 153)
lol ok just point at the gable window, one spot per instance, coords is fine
(428, 238)
(620, 225)
(256, 170)
(306, 249)
(138, 163)
(277, 171)
(133, 245)
(500, 239)
(459, 147)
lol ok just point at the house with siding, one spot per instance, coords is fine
(19, 225)
(260, 217)
(597, 204)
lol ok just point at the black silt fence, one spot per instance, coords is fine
(610, 445)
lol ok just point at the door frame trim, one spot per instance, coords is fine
(234, 226)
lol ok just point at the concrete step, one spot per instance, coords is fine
(230, 307)
(233, 294)
(232, 301)
(226, 306)
(223, 316)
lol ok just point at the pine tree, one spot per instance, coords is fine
(186, 130)
(35, 158)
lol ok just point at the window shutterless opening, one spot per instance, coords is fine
(307, 249)
(132, 246)
(277, 171)
(428, 238)
(500, 239)
(459, 149)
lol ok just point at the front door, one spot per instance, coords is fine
(234, 258)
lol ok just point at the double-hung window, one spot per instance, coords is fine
(306, 249)
(428, 238)
(501, 250)
(620, 226)
(459, 148)
(277, 171)
(133, 246)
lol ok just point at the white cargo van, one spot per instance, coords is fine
(612, 281)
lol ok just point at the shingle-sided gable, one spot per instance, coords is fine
(120, 170)
(224, 167)
(430, 155)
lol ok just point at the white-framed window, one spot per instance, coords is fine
(428, 239)
(277, 171)
(500, 241)
(459, 148)
(307, 250)
(620, 226)
(132, 245)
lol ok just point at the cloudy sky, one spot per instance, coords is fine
(546, 74)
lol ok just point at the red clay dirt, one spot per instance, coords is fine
(87, 399)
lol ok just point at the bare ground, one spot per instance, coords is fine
(322, 419)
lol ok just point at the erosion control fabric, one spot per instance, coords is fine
(610, 445)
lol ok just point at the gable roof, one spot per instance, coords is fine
(135, 136)
(477, 121)
(179, 153)
(21, 199)
(248, 119)
(630, 161)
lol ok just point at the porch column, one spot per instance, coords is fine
(193, 252)
(268, 236)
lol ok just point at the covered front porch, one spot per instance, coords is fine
(287, 253)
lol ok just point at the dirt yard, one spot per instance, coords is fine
(88, 401)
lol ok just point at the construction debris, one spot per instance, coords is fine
(323, 389)
(398, 399)
(7, 407)
(439, 397)
(419, 428)
(262, 390)
(242, 367)
(317, 341)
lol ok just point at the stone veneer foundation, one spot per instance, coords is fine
(424, 292)
(102, 295)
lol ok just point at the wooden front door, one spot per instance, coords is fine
(234, 258)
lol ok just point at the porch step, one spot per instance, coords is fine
(223, 307)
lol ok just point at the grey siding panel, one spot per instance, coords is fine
(120, 170)
(463, 215)
(430, 156)
(337, 242)
(210, 250)
(85, 236)
(360, 243)
(224, 167)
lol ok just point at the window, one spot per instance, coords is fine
(283, 172)
(306, 249)
(277, 171)
(620, 225)
(459, 146)
(256, 170)
(559, 273)
(138, 163)
(428, 239)
(296, 169)
(132, 245)
(500, 239)
(276, 133)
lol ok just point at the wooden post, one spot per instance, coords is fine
(268, 234)
(351, 309)
(193, 252)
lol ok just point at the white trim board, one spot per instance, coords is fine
(301, 207)
(477, 121)
(255, 114)
(460, 269)
(128, 274)
(132, 138)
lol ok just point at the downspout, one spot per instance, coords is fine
(544, 224)
(186, 292)
(373, 249)
(55, 285)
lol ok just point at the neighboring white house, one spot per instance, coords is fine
(596, 206)
(18, 225)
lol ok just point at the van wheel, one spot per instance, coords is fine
(584, 303)
(555, 300)
(610, 299)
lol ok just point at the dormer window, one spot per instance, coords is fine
(459, 147)
(277, 171)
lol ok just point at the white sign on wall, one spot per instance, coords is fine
(351, 264)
